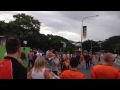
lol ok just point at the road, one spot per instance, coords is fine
(87, 72)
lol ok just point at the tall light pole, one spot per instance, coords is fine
(100, 45)
(91, 46)
(82, 28)
(64, 45)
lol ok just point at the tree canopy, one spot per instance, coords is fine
(90, 46)
(112, 44)
(25, 27)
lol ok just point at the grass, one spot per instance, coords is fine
(2, 52)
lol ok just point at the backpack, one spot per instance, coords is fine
(87, 58)
(6, 69)
(30, 57)
(23, 57)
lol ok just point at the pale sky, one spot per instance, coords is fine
(68, 23)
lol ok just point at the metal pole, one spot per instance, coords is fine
(91, 46)
(81, 36)
(82, 28)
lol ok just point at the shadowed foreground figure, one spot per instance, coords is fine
(87, 60)
(106, 70)
(73, 72)
(11, 67)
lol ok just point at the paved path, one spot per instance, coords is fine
(87, 72)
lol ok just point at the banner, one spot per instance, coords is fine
(84, 32)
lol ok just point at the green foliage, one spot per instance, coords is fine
(22, 26)
(3, 26)
(54, 42)
(2, 52)
(27, 21)
(87, 45)
(70, 49)
(26, 28)
(112, 43)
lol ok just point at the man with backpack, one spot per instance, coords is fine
(30, 58)
(23, 55)
(87, 60)
(10, 67)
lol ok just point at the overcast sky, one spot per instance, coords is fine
(68, 23)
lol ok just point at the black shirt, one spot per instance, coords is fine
(87, 57)
(78, 57)
(19, 71)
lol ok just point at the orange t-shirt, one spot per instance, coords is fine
(70, 74)
(104, 72)
(81, 57)
(6, 69)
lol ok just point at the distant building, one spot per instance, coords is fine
(78, 44)
(2, 40)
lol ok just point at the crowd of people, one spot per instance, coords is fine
(62, 66)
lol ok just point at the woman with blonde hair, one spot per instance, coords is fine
(39, 71)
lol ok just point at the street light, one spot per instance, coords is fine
(25, 42)
(82, 28)
(91, 46)
(64, 45)
(100, 44)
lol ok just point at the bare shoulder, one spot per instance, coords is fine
(47, 69)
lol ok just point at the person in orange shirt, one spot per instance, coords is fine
(81, 57)
(72, 73)
(105, 70)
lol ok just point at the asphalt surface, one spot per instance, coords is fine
(88, 71)
(85, 71)
(117, 62)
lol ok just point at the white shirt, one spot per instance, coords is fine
(38, 75)
(54, 63)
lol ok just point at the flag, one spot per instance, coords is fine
(84, 32)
